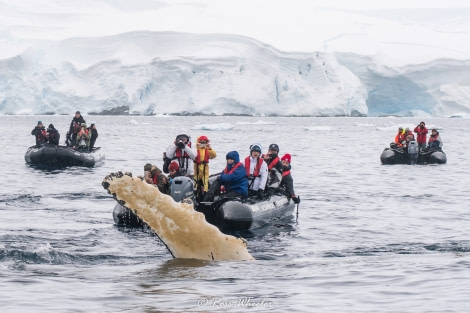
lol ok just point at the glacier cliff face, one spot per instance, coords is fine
(158, 73)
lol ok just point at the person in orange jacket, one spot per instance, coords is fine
(400, 137)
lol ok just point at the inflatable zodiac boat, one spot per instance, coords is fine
(55, 156)
(228, 214)
(412, 155)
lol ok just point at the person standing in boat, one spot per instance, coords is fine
(40, 133)
(421, 132)
(435, 141)
(75, 128)
(93, 135)
(201, 165)
(287, 182)
(53, 135)
(182, 152)
(83, 138)
(257, 171)
(274, 166)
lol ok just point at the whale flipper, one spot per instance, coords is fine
(184, 231)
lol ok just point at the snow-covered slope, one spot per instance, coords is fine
(165, 72)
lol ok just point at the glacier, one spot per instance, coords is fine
(214, 74)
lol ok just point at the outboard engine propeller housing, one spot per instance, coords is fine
(181, 188)
(413, 151)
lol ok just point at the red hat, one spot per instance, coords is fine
(286, 157)
(201, 138)
(173, 166)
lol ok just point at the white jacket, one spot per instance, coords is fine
(184, 163)
(259, 182)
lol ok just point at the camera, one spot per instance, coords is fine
(180, 144)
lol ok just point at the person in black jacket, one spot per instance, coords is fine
(53, 135)
(40, 133)
(94, 135)
(287, 181)
(274, 166)
(75, 127)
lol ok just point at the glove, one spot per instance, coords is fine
(296, 200)
(260, 194)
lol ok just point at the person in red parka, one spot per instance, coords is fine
(421, 132)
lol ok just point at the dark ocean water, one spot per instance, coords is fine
(369, 237)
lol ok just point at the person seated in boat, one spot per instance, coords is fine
(408, 132)
(174, 171)
(52, 135)
(232, 182)
(93, 135)
(287, 182)
(274, 167)
(257, 171)
(404, 144)
(154, 176)
(421, 132)
(40, 133)
(75, 127)
(399, 138)
(234, 178)
(182, 152)
(83, 138)
(201, 165)
(435, 141)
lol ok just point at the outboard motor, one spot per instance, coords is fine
(182, 188)
(413, 151)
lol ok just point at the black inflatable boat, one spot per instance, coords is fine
(412, 155)
(55, 156)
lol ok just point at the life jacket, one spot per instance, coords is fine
(198, 157)
(257, 167)
(178, 152)
(285, 173)
(399, 138)
(273, 163)
(183, 159)
(41, 137)
(226, 171)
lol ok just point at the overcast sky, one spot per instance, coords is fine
(440, 28)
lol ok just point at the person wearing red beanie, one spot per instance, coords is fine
(287, 182)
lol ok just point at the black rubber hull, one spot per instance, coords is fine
(393, 156)
(237, 216)
(54, 156)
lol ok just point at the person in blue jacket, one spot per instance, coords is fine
(234, 178)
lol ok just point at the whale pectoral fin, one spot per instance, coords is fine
(184, 231)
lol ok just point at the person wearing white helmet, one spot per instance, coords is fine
(183, 153)
(256, 171)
